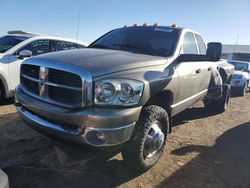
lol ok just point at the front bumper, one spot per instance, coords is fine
(236, 87)
(77, 134)
(96, 127)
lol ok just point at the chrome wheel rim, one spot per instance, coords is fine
(154, 141)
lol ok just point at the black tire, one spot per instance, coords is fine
(1, 92)
(135, 151)
(220, 105)
(244, 90)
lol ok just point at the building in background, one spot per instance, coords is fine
(236, 52)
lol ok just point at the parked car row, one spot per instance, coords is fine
(241, 77)
(123, 89)
(18, 45)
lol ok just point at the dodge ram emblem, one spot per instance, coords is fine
(42, 79)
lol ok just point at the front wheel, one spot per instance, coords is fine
(147, 142)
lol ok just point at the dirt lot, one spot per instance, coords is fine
(204, 150)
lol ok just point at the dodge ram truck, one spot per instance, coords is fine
(123, 89)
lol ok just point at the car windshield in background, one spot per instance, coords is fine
(157, 41)
(7, 42)
(240, 66)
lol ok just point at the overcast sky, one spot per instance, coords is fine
(216, 20)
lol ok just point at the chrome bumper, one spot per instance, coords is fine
(89, 135)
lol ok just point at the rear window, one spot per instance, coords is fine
(7, 42)
(64, 45)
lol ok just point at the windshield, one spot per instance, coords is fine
(7, 42)
(240, 66)
(157, 41)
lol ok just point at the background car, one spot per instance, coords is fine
(18, 45)
(241, 76)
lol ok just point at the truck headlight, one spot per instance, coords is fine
(118, 92)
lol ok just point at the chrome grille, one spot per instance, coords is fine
(33, 86)
(31, 71)
(64, 78)
(53, 85)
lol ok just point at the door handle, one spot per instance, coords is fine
(198, 71)
(209, 68)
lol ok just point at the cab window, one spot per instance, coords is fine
(189, 44)
(201, 44)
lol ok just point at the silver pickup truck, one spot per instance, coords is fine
(123, 89)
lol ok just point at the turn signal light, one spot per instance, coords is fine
(156, 25)
(145, 25)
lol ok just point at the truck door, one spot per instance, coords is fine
(205, 66)
(188, 73)
(36, 47)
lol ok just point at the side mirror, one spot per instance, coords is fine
(214, 50)
(24, 54)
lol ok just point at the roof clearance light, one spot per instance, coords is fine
(145, 25)
(174, 25)
(156, 25)
(135, 25)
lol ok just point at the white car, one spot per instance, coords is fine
(241, 76)
(17, 46)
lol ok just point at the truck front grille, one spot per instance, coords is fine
(31, 85)
(55, 86)
(31, 71)
(64, 78)
(64, 95)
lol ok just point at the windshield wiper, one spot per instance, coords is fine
(98, 46)
(129, 46)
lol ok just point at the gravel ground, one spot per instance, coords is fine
(204, 150)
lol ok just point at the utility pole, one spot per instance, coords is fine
(77, 29)
(237, 40)
(235, 47)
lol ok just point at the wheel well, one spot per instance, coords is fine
(163, 99)
(224, 77)
(2, 88)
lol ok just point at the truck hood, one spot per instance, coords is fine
(100, 62)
